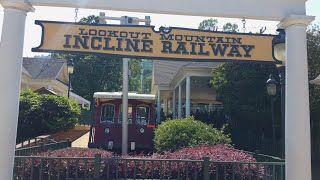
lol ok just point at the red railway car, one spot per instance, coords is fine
(106, 131)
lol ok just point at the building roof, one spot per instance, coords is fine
(118, 95)
(42, 68)
(316, 81)
(165, 71)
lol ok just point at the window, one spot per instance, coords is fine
(129, 114)
(142, 115)
(107, 114)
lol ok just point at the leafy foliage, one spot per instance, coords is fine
(209, 24)
(229, 27)
(42, 114)
(313, 46)
(176, 134)
(241, 86)
(94, 73)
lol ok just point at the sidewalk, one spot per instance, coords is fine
(81, 142)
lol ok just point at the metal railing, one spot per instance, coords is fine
(56, 168)
(34, 142)
(42, 147)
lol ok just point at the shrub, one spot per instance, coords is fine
(175, 134)
(44, 165)
(42, 114)
(115, 168)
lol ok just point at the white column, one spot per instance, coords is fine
(297, 121)
(125, 88)
(174, 104)
(187, 96)
(158, 106)
(165, 107)
(179, 103)
(11, 49)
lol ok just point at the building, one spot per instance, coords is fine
(45, 75)
(185, 86)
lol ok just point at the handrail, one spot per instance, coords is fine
(142, 168)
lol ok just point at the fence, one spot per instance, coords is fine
(42, 148)
(34, 142)
(56, 168)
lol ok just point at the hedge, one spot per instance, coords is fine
(179, 133)
(150, 170)
(44, 114)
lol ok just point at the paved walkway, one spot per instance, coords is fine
(81, 142)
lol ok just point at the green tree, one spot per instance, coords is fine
(44, 114)
(95, 73)
(229, 27)
(209, 24)
(313, 46)
(135, 76)
(240, 86)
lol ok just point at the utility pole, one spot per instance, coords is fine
(125, 20)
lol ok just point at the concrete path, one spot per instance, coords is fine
(81, 142)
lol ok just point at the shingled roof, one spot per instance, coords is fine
(42, 68)
(165, 71)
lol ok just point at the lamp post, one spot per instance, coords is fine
(272, 91)
(70, 66)
(279, 49)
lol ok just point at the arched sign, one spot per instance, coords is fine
(144, 42)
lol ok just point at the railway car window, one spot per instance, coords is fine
(142, 115)
(107, 115)
(129, 114)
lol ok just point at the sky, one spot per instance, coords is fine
(33, 32)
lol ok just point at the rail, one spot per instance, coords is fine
(42, 147)
(34, 142)
(56, 168)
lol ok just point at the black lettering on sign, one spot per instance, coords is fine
(166, 47)
(146, 35)
(234, 51)
(80, 41)
(133, 46)
(96, 43)
(218, 50)
(181, 49)
(107, 44)
(119, 47)
(247, 49)
(92, 32)
(166, 37)
(146, 45)
(82, 32)
(67, 44)
(201, 45)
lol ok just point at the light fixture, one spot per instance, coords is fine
(133, 146)
(110, 145)
(70, 66)
(141, 130)
(107, 130)
(271, 86)
(279, 48)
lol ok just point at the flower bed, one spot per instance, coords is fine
(113, 166)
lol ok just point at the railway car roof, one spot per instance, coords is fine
(117, 95)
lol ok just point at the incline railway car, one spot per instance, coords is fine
(106, 130)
